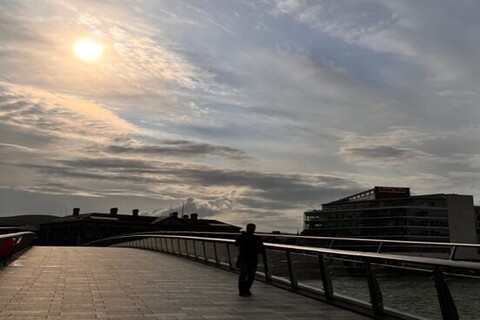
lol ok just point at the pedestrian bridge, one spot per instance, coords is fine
(192, 276)
(125, 283)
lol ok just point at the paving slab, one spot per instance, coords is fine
(121, 283)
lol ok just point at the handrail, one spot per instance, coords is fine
(381, 243)
(313, 250)
(14, 243)
(437, 269)
(16, 234)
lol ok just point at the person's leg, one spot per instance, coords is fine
(242, 278)
(252, 269)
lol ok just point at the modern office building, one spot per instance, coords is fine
(392, 213)
(477, 218)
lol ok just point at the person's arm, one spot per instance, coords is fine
(238, 241)
(262, 251)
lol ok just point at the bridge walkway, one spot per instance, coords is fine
(121, 283)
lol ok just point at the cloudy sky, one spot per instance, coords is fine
(250, 111)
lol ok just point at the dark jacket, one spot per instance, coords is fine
(249, 246)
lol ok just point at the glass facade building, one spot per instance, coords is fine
(391, 213)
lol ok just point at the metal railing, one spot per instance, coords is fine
(443, 250)
(12, 244)
(379, 285)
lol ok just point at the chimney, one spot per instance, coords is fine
(76, 211)
(113, 211)
(185, 217)
(135, 212)
(194, 216)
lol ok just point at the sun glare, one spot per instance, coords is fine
(88, 50)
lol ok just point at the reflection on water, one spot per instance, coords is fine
(414, 295)
(404, 290)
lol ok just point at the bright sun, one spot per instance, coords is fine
(88, 50)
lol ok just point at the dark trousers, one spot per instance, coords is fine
(248, 267)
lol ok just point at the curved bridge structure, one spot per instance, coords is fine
(375, 284)
(179, 276)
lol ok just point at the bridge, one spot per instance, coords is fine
(192, 277)
(124, 283)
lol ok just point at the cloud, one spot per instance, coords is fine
(390, 148)
(190, 205)
(170, 180)
(58, 115)
(176, 148)
(253, 109)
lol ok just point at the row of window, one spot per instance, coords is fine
(375, 214)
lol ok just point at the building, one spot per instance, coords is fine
(79, 229)
(477, 218)
(392, 213)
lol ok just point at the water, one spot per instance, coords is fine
(410, 292)
(412, 295)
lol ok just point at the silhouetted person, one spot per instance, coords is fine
(249, 246)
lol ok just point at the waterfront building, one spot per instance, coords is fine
(78, 229)
(392, 213)
(477, 220)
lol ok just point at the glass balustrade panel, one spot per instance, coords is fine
(210, 252)
(190, 248)
(199, 248)
(277, 264)
(306, 269)
(174, 243)
(222, 254)
(183, 247)
(409, 291)
(349, 279)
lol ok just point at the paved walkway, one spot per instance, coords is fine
(120, 283)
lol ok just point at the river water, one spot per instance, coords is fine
(413, 295)
(406, 291)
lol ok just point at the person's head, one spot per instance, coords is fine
(251, 228)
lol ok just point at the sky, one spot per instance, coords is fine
(245, 111)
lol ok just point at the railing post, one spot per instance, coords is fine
(179, 247)
(326, 280)
(453, 250)
(216, 253)
(186, 248)
(380, 247)
(331, 243)
(167, 248)
(160, 240)
(266, 269)
(374, 289)
(447, 305)
(229, 258)
(293, 280)
(195, 249)
(173, 247)
(204, 252)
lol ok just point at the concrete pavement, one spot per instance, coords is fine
(122, 283)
